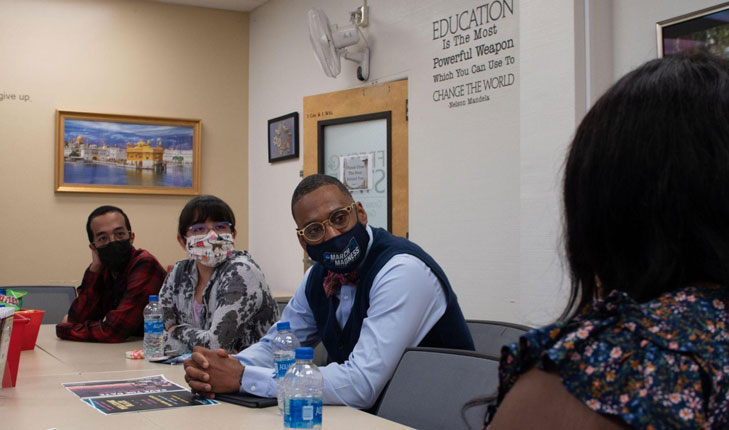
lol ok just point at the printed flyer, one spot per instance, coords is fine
(135, 395)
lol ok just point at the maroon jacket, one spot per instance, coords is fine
(109, 309)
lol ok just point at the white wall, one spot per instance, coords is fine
(472, 184)
(464, 171)
(548, 117)
(284, 71)
(492, 218)
(634, 32)
(616, 37)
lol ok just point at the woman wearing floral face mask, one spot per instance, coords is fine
(218, 296)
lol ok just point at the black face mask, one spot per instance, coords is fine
(116, 255)
(343, 253)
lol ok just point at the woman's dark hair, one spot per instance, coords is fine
(201, 208)
(646, 183)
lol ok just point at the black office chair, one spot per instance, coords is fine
(431, 386)
(282, 302)
(490, 336)
(54, 300)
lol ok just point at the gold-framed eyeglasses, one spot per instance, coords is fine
(118, 234)
(338, 218)
(218, 227)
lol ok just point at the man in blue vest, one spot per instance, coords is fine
(369, 296)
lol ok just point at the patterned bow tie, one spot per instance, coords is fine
(333, 281)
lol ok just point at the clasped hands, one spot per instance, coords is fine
(208, 372)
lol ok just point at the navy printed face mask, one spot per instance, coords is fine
(343, 253)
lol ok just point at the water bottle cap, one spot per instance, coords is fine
(153, 298)
(304, 353)
(283, 325)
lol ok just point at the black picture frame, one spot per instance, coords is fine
(706, 30)
(283, 137)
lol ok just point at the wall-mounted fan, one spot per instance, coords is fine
(330, 42)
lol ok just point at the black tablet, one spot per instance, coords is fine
(248, 400)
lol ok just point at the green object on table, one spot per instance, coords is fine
(11, 298)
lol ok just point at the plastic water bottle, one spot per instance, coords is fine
(154, 341)
(284, 356)
(302, 393)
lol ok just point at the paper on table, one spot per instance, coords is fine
(134, 395)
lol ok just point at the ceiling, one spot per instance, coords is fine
(238, 5)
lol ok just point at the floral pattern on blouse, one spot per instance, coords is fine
(663, 364)
(237, 306)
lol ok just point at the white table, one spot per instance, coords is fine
(40, 402)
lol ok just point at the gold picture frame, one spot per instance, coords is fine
(127, 154)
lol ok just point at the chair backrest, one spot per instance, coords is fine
(282, 302)
(431, 385)
(490, 336)
(320, 353)
(54, 300)
(321, 358)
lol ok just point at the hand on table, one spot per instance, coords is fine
(209, 372)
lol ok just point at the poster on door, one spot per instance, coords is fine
(356, 171)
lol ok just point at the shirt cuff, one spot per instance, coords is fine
(62, 329)
(258, 381)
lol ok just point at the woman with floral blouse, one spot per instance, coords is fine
(218, 297)
(644, 342)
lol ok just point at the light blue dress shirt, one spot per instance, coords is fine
(406, 300)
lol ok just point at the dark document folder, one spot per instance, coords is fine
(247, 400)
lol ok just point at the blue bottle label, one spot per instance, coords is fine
(153, 327)
(282, 366)
(317, 412)
(302, 413)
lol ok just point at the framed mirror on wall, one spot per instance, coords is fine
(357, 150)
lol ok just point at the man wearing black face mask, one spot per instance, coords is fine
(369, 296)
(116, 286)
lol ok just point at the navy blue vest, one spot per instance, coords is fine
(450, 331)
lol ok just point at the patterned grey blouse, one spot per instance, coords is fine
(237, 306)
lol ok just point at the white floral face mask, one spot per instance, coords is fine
(211, 248)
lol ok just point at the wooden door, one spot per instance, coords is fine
(386, 102)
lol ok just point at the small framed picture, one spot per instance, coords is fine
(127, 154)
(283, 137)
(706, 30)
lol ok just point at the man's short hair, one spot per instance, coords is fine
(314, 182)
(101, 210)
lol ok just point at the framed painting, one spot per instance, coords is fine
(706, 30)
(283, 137)
(104, 153)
